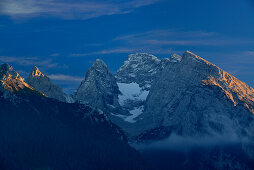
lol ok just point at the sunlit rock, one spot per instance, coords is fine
(43, 83)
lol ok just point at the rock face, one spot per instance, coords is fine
(135, 78)
(12, 85)
(99, 88)
(196, 98)
(139, 68)
(11, 80)
(42, 83)
(142, 68)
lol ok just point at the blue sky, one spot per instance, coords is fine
(64, 37)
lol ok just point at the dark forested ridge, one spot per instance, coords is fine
(41, 133)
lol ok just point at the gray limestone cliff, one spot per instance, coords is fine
(139, 68)
(135, 78)
(193, 97)
(99, 88)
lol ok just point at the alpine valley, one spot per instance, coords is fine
(181, 112)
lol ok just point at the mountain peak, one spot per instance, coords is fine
(36, 72)
(197, 92)
(139, 68)
(35, 68)
(99, 65)
(175, 58)
(6, 67)
(142, 56)
(99, 88)
(99, 61)
(7, 71)
(42, 83)
(235, 90)
(191, 57)
(10, 80)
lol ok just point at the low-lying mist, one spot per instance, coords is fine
(181, 143)
(210, 152)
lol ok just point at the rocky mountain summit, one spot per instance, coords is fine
(12, 85)
(139, 68)
(99, 89)
(43, 83)
(194, 97)
(11, 80)
(142, 68)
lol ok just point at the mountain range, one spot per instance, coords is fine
(185, 95)
(147, 100)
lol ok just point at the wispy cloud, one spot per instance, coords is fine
(54, 55)
(65, 78)
(166, 33)
(127, 51)
(157, 38)
(110, 51)
(68, 82)
(166, 41)
(69, 9)
(28, 61)
(249, 53)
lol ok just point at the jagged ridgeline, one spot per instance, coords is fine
(37, 132)
(181, 98)
(174, 103)
(151, 98)
(184, 98)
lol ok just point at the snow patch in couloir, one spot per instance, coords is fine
(131, 91)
